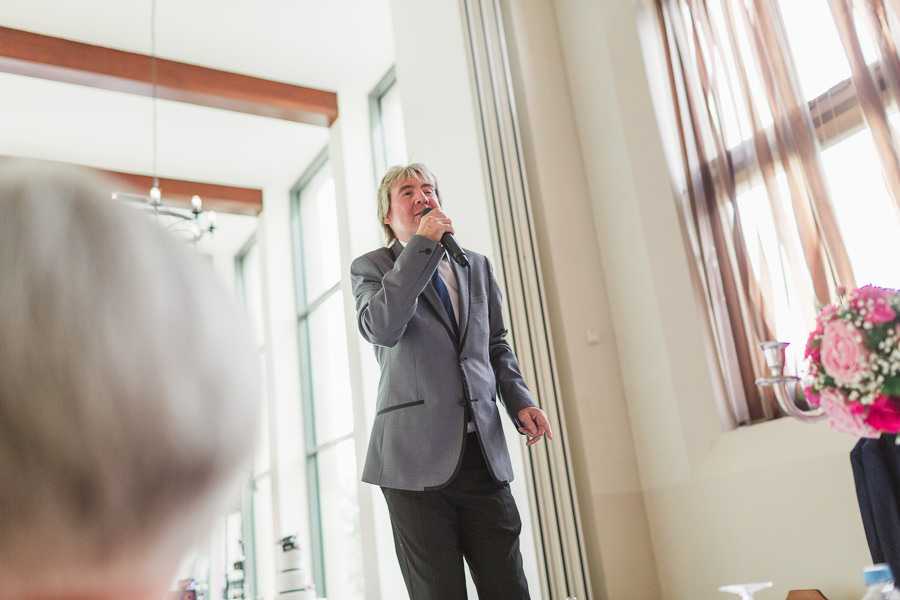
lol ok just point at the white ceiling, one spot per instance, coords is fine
(337, 45)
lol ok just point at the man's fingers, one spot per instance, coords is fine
(545, 426)
(534, 440)
(434, 224)
(534, 424)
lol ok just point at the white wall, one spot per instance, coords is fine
(663, 490)
(609, 488)
(438, 110)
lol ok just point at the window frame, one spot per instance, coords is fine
(248, 532)
(305, 308)
(376, 121)
(705, 164)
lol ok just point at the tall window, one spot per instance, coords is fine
(388, 134)
(256, 539)
(328, 412)
(786, 113)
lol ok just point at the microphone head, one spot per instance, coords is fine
(427, 210)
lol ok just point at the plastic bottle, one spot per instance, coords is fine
(880, 581)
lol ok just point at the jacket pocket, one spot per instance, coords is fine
(399, 406)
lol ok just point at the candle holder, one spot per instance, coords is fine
(787, 398)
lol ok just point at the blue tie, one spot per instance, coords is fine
(445, 299)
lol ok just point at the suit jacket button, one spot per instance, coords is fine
(462, 359)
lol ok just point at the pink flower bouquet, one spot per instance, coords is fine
(854, 362)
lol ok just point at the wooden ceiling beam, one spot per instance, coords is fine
(57, 59)
(177, 193)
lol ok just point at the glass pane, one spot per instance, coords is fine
(319, 235)
(264, 543)
(775, 259)
(734, 116)
(234, 557)
(289, 464)
(815, 45)
(340, 522)
(392, 127)
(262, 454)
(330, 370)
(252, 290)
(867, 217)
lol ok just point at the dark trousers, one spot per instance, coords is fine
(473, 518)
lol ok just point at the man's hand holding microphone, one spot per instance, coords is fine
(436, 226)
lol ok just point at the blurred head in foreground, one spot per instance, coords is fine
(128, 392)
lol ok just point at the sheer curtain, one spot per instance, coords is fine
(786, 116)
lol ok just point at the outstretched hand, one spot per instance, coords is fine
(534, 424)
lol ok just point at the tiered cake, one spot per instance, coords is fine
(291, 579)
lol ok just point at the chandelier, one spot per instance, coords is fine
(191, 225)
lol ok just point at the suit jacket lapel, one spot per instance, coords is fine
(430, 294)
(462, 283)
(396, 249)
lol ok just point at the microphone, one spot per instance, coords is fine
(451, 245)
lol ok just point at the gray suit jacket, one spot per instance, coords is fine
(427, 375)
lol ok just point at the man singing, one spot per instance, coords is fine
(437, 449)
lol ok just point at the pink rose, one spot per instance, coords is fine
(824, 316)
(844, 418)
(814, 341)
(884, 414)
(875, 301)
(873, 292)
(880, 313)
(843, 354)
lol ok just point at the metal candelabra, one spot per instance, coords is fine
(787, 397)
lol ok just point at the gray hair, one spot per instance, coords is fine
(129, 390)
(392, 177)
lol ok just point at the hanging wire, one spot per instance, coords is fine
(153, 82)
(155, 198)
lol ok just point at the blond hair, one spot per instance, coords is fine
(393, 176)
